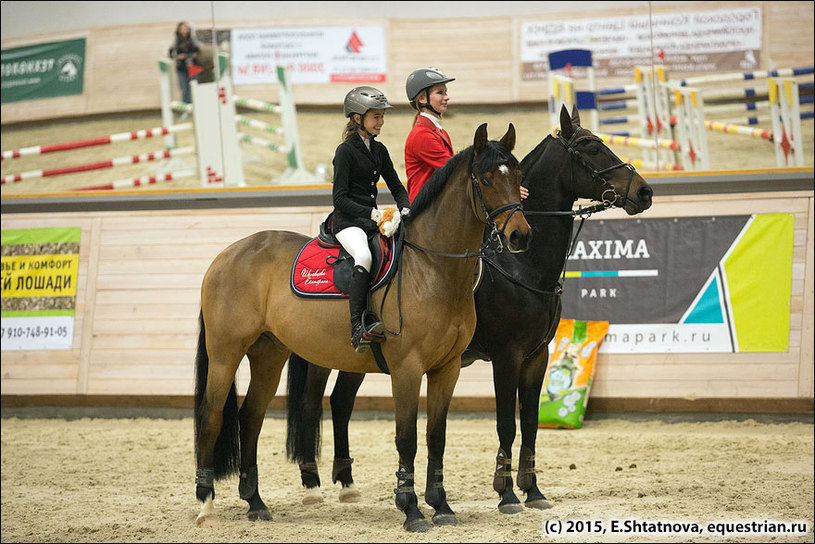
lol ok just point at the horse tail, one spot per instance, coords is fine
(227, 446)
(298, 434)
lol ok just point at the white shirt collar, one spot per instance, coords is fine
(432, 118)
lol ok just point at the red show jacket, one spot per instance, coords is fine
(426, 149)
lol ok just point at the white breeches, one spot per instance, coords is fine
(355, 242)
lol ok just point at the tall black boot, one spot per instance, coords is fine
(362, 332)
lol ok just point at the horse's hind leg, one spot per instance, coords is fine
(529, 389)
(342, 404)
(266, 359)
(440, 386)
(312, 413)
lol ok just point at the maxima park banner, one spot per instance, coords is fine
(40, 268)
(44, 70)
(684, 284)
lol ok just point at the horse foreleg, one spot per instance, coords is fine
(405, 387)
(529, 389)
(266, 361)
(440, 386)
(505, 379)
(342, 404)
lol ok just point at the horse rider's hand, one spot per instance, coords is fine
(405, 212)
(376, 215)
(524, 192)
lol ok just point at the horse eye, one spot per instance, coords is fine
(593, 149)
(485, 180)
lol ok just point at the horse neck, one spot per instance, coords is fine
(449, 225)
(551, 190)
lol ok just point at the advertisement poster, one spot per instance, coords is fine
(684, 284)
(324, 54)
(44, 70)
(40, 268)
(696, 41)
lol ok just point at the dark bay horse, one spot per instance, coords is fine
(248, 308)
(518, 309)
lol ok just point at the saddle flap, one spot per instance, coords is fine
(322, 268)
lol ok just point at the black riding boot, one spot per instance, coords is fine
(363, 333)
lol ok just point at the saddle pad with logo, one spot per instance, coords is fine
(324, 270)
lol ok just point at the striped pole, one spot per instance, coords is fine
(245, 138)
(647, 165)
(645, 143)
(120, 161)
(138, 182)
(257, 105)
(727, 128)
(741, 76)
(102, 140)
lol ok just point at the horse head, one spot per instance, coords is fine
(609, 179)
(495, 189)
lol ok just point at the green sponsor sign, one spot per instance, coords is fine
(42, 71)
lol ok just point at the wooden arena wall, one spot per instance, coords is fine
(138, 299)
(482, 53)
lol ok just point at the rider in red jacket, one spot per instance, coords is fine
(428, 145)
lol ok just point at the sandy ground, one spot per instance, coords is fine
(320, 132)
(87, 479)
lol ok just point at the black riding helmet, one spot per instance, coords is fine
(422, 79)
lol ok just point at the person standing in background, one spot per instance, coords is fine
(185, 52)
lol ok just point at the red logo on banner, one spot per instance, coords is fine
(354, 44)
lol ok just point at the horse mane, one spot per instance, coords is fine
(493, 155)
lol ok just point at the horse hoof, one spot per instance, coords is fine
(511, 508)
(259, 515)
(313, 496)
(207, 520)
(416, 526)
(350, 494)
(445, 519)
(539, 504)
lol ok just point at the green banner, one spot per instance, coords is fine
(44, 70)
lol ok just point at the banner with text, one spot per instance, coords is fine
(325, 54)
(696, 41)
(44, 70)
(685, 284)
(40, 269)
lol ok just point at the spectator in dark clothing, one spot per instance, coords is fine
(185, 52)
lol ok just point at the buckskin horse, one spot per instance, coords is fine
(518, 309)
(248, 308)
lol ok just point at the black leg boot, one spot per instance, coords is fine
(362, 335)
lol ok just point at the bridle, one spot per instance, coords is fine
(607, 198)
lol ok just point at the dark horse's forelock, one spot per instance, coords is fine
(494, 155)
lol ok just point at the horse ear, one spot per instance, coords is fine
(508, 141)
(480, 140)
(575, 116)
(566, 128)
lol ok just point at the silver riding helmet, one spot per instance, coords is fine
(423, 78)
(361, 99)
